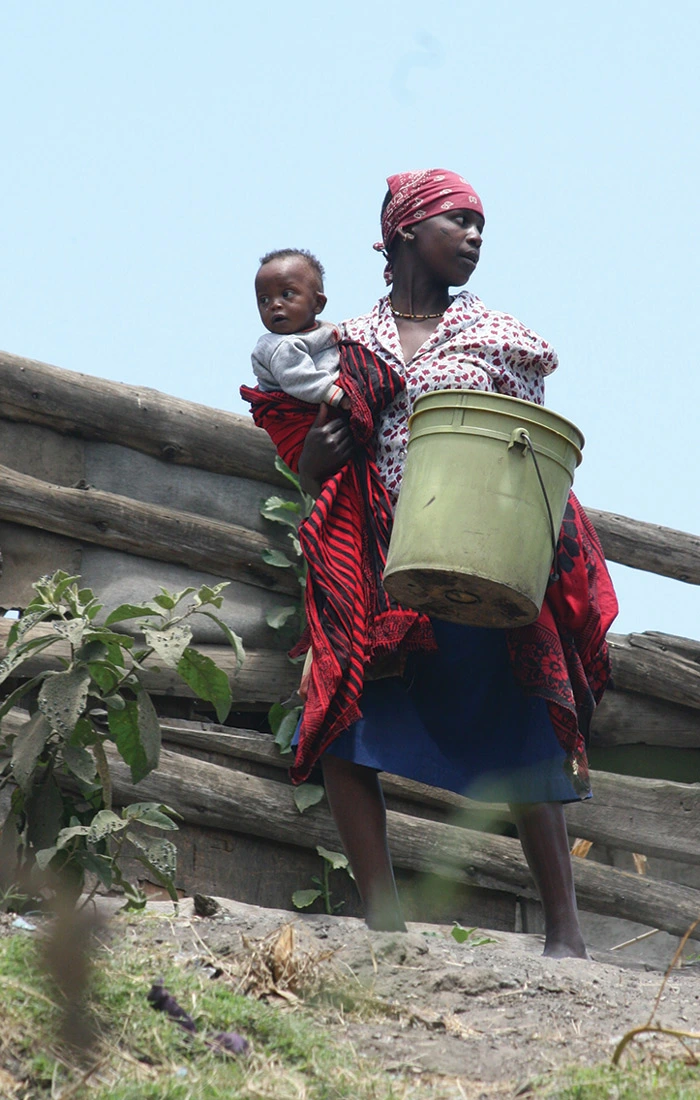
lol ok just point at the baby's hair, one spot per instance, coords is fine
(282, 253)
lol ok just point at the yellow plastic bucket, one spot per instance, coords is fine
(483, 495)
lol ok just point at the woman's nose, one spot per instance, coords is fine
(474, 236)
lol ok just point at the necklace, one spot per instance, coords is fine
(417, 316)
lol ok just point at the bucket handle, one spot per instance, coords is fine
(520, 437)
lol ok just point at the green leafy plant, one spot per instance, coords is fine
(470, 936)
(291, 618)
(332, 861)
(289, 513)
(61, 820)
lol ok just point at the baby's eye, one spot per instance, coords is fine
(263, 300)
(287, 293)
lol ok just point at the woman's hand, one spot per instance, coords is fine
(328, 446)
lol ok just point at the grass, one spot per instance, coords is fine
(140, 1054)
(661, 1081)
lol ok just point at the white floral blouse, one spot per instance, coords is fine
(472, 348)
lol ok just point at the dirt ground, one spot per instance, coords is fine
(493, 1015)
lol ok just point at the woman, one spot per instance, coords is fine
(454, 717)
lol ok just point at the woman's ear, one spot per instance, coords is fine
(405, 235)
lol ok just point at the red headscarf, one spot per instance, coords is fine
(416, 196)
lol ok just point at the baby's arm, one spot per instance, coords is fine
(296, 373)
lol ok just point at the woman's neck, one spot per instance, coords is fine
(416, 296)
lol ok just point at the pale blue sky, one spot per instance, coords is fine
(153, 151)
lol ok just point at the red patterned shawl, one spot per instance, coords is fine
(351, 619)
(563, 656)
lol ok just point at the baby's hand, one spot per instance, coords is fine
(345, 403)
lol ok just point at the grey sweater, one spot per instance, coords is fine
(303, 364)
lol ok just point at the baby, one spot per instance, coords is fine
(298, 354)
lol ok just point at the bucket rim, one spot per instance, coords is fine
(487, 395)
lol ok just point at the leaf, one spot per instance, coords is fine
(63, 697)
(17, 655)
(295, 543)
(235, 642)
(44, 810)
(337, 860)
(164, 601)
(98, 864)
(287, 729)
(103, 824)
(28, 620)
(275, 715)
(307, 795)
(44, 856)
(303, 898)
(176, 597)
(73, 630)
(128, 611)
(92, 650)
(17, 694)
(150, 813)
(79, 763)
(278, 616)
(169, 643)
(207, 680)
(28, 747)
(278, 510)
(104, 675)
(462, 935)
(276, 558)
(282, 468)
(136, 731)
(160, 857)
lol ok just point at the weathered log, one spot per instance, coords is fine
(169, 428)
(266, 676)
(206, 794)
(648, 546)
(149, 530)
(653, 816)
(671, 643)
(209, 795)
(627, 718)
(654, 670)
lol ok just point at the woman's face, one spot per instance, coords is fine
(447, 245)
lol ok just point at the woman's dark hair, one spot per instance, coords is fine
(283, 253)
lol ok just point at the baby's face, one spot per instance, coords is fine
(288, 295)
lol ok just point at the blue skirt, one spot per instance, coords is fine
(458, 720)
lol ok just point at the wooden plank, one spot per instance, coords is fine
(654, 670)
(667, 643)
(648, 546)
(266, 677)
(149, 530)
(177, 431)
(206, 794)
(652, 816)
(627, 718)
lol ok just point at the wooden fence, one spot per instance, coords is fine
(63, 436)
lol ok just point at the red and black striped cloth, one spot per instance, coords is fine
(351, 620)
(562, 657)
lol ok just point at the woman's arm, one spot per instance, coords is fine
(328, 446)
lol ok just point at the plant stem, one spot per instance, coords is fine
(103, 772)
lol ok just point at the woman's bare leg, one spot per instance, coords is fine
(357, 804)
(542, 831)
